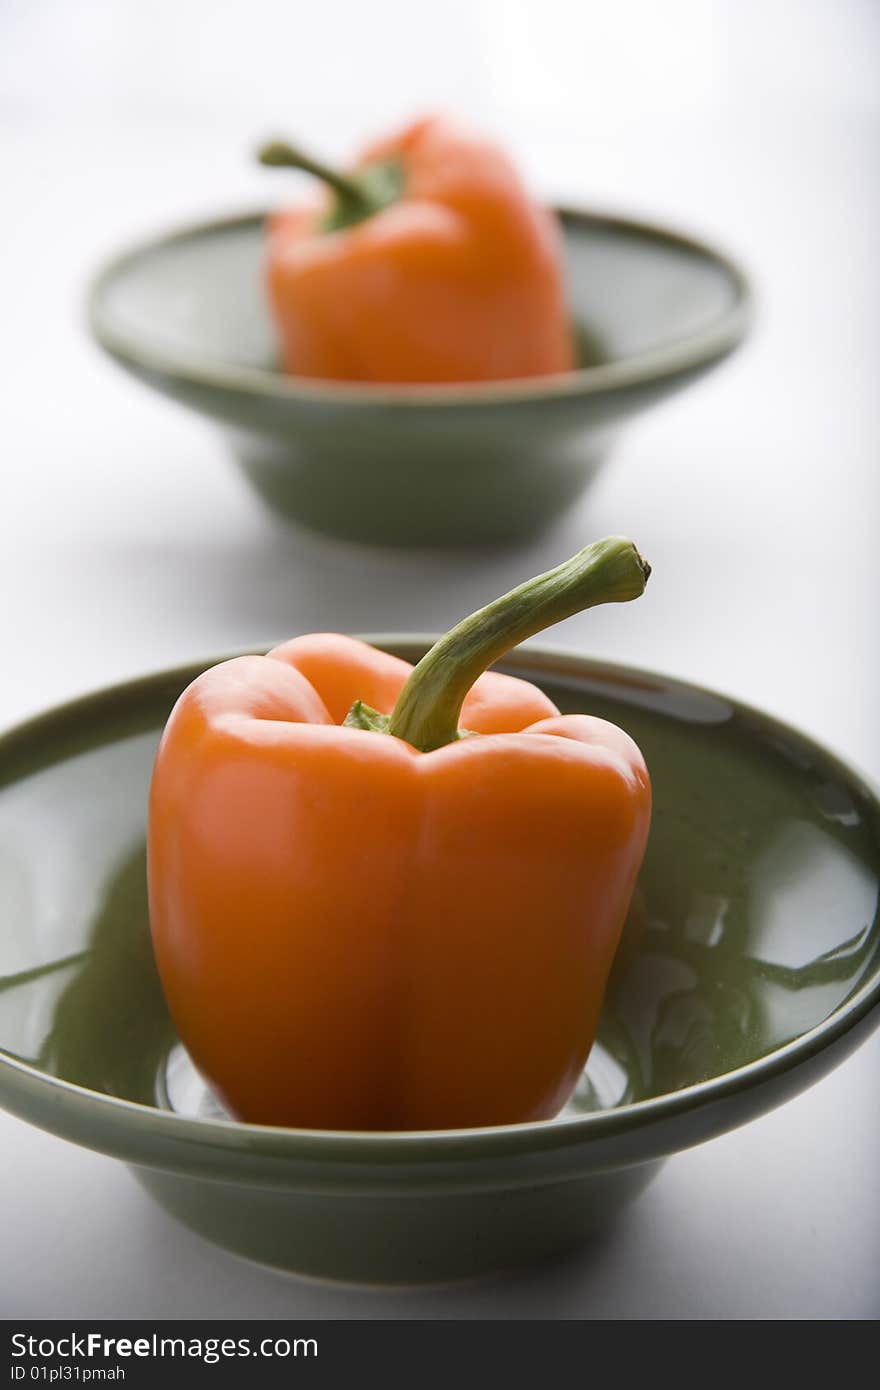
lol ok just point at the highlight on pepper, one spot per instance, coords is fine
(427, 262)
(387, 897)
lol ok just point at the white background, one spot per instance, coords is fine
(128, 543)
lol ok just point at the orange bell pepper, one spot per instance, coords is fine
(365, 917)
(431, 264)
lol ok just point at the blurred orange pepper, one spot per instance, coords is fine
(430, 264)
(365, 918)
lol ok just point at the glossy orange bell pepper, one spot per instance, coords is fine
(430, 263)
(368, 917)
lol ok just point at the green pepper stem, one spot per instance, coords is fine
(278, 154)
(429, 707)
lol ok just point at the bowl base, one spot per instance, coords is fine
(427, 1237)
(420, 488)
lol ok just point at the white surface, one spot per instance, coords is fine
(128, 543)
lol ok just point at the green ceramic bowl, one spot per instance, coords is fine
(420, 465)
(750, 966)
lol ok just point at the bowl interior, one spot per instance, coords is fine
(754, 918)
(194, 300)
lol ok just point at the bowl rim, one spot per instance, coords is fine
(677, 357)
(427, 1146)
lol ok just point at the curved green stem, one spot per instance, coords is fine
(358, 196)
(429, 707)
(278, 154)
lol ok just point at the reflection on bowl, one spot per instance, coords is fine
(750, 965)
(421, 465)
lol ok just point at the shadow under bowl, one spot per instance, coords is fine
(418, 465)
(749, 967)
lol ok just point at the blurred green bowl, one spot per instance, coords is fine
(749, 967)
(421, 465)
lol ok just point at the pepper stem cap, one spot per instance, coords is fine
(358, 195)
(428, 709)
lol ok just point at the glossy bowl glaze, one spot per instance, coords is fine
(420, 465)
(750, 966)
